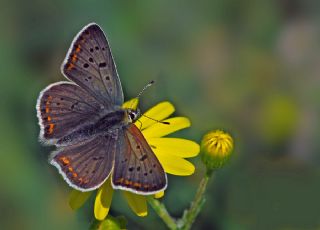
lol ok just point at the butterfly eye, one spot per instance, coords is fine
(132, 115)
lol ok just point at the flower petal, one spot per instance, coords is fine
(103, 201)
(77, 198)
(175, 165)
(159, 195)
(160, 130)
(137, 203)
(131, 104)
(159, 112)
(174, 146)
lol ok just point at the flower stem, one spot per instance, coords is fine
(162, 212)
(190, 215)
(186, 221)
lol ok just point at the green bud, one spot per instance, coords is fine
(216, 149)
(110, 223)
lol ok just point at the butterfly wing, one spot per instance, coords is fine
(63, 107)
(86, 165)
(136, 167)
(89, 63)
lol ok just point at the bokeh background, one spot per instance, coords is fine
(251, 68)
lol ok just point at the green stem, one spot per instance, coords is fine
(162, 212)
(190, 215)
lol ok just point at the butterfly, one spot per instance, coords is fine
(95, 137)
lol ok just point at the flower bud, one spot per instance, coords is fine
(216, 149)
(114, 223)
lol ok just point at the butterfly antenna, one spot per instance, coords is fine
(162, 122)
(141, 92)
(144, 88)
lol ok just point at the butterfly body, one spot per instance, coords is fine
(95, 137)
(106, 125)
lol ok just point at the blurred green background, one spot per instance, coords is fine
(248, 67)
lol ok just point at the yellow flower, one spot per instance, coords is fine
(216, 149)
(171, 152)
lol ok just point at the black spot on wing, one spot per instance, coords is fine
(102, 64)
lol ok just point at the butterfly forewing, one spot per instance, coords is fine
(89, 63)
(63, 107)
(136, 168)
(86, 165)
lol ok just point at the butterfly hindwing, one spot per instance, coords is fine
(63, 107)
(89, 63)
(86, 165)
(136, 168)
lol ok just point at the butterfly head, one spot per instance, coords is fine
(133, 114)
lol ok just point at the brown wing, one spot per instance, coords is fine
(136, 167)
(85, 166)
(63, 107)
(89, 63)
